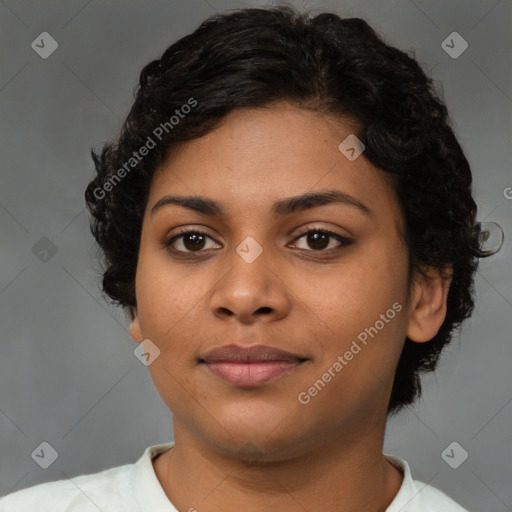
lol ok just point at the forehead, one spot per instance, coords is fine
(256, 157)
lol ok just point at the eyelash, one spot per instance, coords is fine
(343, 240)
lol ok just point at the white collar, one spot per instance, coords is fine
(150, 495)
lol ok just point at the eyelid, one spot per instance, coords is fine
(342, 240)
(312, 227)
(168, 241)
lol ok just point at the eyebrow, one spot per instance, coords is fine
(280, 208)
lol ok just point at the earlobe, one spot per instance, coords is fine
(429, 305)
(135, 330)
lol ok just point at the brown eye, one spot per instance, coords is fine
(188, 241)
(319, 240)
(193, 241)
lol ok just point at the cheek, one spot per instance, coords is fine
(360, 302)
(166, 298)
(349, 297)
(167, 301)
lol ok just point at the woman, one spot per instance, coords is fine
(287, 216)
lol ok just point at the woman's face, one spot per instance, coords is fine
(261, 274)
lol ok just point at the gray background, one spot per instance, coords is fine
(68, 375)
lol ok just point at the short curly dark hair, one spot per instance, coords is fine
(256, 56)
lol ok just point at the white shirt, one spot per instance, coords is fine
(135, 488)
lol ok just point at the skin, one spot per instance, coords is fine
(325, 455)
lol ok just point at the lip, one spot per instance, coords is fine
(250, 366)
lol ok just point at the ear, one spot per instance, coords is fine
(135, 329)
(428, 306)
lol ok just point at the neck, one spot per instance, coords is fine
(349, 473)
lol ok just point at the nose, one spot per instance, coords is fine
(250, 292)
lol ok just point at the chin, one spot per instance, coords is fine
(264, 440)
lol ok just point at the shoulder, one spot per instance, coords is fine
(416, 496)
(431, 499)
(84, 493)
